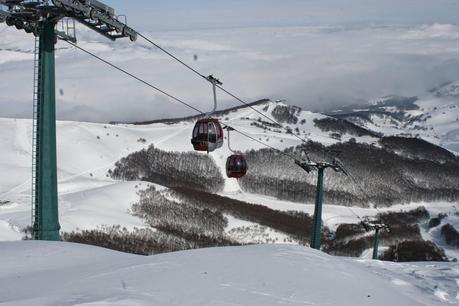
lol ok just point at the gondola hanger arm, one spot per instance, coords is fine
(215, 82)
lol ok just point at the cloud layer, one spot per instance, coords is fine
(313, 67)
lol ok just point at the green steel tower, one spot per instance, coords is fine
(377, 227)
(40, 18)
(308, 166)
(46, 220)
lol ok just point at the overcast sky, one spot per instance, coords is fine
(317, 54)
(161, 15)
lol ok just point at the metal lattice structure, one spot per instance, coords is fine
(26, 15)
(40, 18)
(36, 74)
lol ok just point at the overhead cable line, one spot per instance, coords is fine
(133, 76)
(366, 196)
(218, 86)
(184, 103)
(171, 96)
(172, 55)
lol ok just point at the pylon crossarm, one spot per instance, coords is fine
(375, 225)
(366, 226)
(307, 166)
(99, 17)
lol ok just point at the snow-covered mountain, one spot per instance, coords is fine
(86, 151)
(90, 198)
(411, 183)
(433, 116)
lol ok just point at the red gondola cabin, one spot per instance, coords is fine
(236, 166)
(207, 135)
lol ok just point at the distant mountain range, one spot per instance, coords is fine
(434, 118)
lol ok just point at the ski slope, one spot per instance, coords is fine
(86, 151)
(90, 199)
(46, 273)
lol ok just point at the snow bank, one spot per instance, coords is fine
(44, 273)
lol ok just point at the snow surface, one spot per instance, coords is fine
(86, 151)
(438, 119)
(37, 273)
(46, 273)
(89, 199)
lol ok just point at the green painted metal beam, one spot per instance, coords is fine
(317, 229)
(376, 244)
(46, 225)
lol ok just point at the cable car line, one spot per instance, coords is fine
(218, 86)
(172, 97)
(133, 76)
(172, 55)
(103, 21)
(367, 197)
(265, 144)
(187, 104)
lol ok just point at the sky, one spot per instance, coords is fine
(205, 14)
(318, 55)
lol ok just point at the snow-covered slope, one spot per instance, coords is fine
(86, 151)
(434, 116)
(88, 198)
(42, 273)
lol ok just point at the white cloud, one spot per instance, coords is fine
(314, 67)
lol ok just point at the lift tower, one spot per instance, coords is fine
(39, 18)
(377, 227)
(308, 166)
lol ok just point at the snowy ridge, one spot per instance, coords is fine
(251, 275)
(433, 117)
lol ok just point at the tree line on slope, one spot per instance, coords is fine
(170, 169)
(382, 177)
(404, 241)
(173, 225)
(183, 218)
